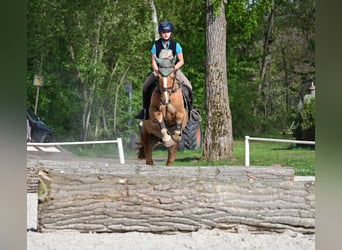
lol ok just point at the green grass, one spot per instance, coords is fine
(93, 150)
(302, 159)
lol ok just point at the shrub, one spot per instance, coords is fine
(305, 129)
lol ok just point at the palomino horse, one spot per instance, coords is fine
(167, 115)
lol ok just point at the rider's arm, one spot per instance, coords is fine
(154, 65)
(180, 61)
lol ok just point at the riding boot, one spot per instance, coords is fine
(143, 114)
(194, 115)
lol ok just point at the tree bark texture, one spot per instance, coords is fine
(31, 179)
(218, 137)
(105, 198)
(154, 20)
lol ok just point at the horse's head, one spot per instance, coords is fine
(167, 77)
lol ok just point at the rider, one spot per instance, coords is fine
(164, 43)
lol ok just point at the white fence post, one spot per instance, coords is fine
(121, 153)
(247, 139)
(247, 151)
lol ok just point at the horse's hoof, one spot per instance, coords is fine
(176, 137)
(168, 142)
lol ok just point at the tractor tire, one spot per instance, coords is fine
(192, 135)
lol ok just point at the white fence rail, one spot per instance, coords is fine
(118, 141)
(247, 139)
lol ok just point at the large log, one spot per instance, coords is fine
(32, 179)
(164, 200)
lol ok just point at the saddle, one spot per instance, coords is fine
(194, 115)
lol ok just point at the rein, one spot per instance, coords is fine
(169, 90)
(166, 74)
(166, 88)
(166, 66)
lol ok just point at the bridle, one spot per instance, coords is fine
(166, 68)
(168, 90)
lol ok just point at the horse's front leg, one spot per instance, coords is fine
(172, 152)
(177, 136)
(166, 138)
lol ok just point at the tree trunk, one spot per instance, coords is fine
(154, 20)
(264, 85)
(100, 197)
(117, 95)
(218, 138)
(87, 105)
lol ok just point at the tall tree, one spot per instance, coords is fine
(154, 20)
(218, 138)
(265, 81)
(114, 38)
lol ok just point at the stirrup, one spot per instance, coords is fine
(195, 115)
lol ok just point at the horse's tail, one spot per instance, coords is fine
(141, 152)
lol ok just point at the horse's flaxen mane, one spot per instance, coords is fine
(166, 65)
(166, 54)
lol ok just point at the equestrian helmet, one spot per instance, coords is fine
(165, 26)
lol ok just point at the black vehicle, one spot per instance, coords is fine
(39, 131)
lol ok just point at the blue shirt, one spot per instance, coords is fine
(178, 48)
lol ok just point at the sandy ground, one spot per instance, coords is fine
(203, 239)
